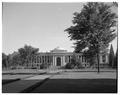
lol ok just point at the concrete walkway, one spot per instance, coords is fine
(38, 77)
(85, 75)
(8, 77)
(23, 84)
(23, 71)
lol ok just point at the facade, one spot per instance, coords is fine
(59, 58)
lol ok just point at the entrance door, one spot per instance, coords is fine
(58, 61)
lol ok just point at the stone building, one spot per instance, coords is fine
(59, 57)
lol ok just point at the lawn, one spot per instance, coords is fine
(78, 86)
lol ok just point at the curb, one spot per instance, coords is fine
(31, 88)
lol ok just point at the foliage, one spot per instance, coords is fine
(74, 63)
(115, 4)
(111, 57)
(93, 28)
(90, 56)
(69, 66)
(116, 60)
(26, 53)
(4, 60)
(19, 58)
(16, 60)
(44, 66)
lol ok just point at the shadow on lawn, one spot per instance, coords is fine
(77, 86)
(69, 86)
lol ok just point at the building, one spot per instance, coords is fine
(59, 57)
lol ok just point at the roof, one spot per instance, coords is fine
(58, 50)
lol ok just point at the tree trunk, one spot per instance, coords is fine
(98, 63)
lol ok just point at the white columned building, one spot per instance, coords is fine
(60, 57)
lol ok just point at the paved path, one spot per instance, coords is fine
(38, 77)
(85, 75)
(23, 71)
(23, 84)
(8, 77)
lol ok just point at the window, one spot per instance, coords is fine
(103, 58)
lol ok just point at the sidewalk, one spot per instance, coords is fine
(86, 75)
(23, 71)
(90, 70)
(19, 86)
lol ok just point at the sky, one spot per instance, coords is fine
(40, 25)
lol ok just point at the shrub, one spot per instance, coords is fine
(44, 66)
(33, 67)
(69, 66)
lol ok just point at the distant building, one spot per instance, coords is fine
(59, 57)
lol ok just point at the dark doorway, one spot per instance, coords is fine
(58, 61)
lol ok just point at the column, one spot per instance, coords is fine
(44, 58)
(63, 61)
(30, 60)
(67, 59)
(37, 59)
(81, 58)
(40, 59)
(53, 60)
(106, 58)
(100, 58)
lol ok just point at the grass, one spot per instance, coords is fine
(78, 86)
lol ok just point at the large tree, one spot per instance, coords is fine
(26, 53)
(93, 28)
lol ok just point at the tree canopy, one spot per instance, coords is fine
(93, 27)
(4, 60)
(27, 52)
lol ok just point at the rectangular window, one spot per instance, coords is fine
(103, 58)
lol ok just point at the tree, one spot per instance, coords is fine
(115, 4)
(93, 28)
(116, 60)
(90, 56)
(74, 63)
(16, 60)
(27, 53)
(111, 56)
(4, 60)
